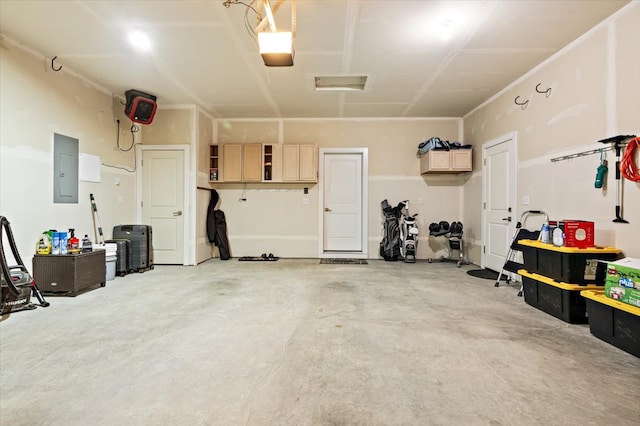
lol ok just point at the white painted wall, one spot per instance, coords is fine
(37, 102)
(594, 95)
(274, 218)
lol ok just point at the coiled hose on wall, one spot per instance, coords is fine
(628, 168)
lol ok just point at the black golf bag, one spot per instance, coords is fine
(390, 244)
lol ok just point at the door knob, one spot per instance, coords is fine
(508, 219)
(327, 209)
(178, 213)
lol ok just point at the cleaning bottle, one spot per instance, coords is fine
(544, 234)
(63, 242)
(47, 237)
(55, 243)
(43, 246)
(86, 244)
(74, 243)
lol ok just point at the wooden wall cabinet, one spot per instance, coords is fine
(254, 162)
(299, 163)
(453, 161)
(232, 162)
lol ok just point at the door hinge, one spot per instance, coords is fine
(141, 203)
(484, 205)
(484, 249)
(484, 161)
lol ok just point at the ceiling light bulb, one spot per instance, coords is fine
(140, 40)
(276, 48)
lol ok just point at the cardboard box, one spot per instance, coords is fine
(578, 233)
(623, 281)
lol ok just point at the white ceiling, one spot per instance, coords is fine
(202, 54)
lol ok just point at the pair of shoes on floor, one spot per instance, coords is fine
(269, 256)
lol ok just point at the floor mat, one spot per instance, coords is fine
(344, 261)
(487, 274)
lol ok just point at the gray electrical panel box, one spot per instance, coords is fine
(65, 169)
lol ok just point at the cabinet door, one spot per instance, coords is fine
(461, 160)
(252, 162)
(308, 163)
(232, 162)
(290, 162)
(435, 161)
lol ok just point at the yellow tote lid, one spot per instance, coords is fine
(599, 296)
(572, 250)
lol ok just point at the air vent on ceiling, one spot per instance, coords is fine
(349, 83)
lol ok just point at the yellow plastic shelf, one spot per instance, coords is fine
(564, 286)
(572, 250)
(600, 297)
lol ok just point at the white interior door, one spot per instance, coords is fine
(343, 202)
(499, 200)
(163, 203)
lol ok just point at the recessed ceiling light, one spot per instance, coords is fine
(140, 40)
(347, 83)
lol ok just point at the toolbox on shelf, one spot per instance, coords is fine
(568, 264)
(559, 299)
(614, 322)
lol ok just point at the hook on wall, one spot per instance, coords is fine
(546, 92)
(522, 104)
(53, 66)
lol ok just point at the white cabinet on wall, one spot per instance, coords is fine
(453, 161)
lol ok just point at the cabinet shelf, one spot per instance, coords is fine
(268, 162)
(214, 166)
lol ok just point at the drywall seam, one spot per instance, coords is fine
(191, 107)
(554, 57)
(611, 82)
(355, 119)
(573, 111)
(385, 178)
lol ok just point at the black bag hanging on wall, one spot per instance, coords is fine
(217, 227)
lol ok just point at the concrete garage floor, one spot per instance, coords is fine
(294, 342)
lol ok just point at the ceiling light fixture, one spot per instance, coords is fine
(340, 83)
(276, 47)
(140, 40)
